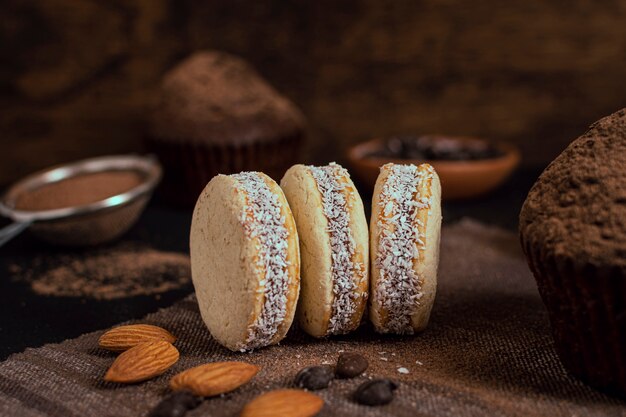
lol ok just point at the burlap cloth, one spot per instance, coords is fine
(487, 352)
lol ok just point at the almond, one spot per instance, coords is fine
(284, 403)
(123, 338)
(214, 378)
(144, 361)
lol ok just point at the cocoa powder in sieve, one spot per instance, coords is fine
(107, 274)
(78, 191)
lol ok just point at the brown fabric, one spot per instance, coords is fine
(487, 352)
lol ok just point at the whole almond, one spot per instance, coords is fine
(284, 403)
(214, 378)
(123, 338)
(144, 361)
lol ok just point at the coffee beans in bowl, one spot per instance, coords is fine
(436, 148)
(467, 166)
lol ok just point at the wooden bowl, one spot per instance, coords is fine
(459, 179)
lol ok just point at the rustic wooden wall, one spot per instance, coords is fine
(76, 75)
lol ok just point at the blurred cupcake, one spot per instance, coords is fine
(573, 231)
(215, 114)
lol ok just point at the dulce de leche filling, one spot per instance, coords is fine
(336, 192)
(404, 203)
(263, 221)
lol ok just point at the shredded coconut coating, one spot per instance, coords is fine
(262, 219)
(344, 269)
(400, 242)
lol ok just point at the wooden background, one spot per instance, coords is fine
(76, 75)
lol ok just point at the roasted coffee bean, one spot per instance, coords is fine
(315, 377)
(176, 405)
(350, 365)
(375, 392)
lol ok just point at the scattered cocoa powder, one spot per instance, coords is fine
(107, 273)
(78, 191)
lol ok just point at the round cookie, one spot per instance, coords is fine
(404, 246)
(245, 260)
(334, 246)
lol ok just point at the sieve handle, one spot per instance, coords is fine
(9, 232)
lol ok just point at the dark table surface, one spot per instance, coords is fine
(30, 320)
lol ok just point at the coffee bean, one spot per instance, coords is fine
(176, 405)
(314, 377)
(350, 365)
(375, 392)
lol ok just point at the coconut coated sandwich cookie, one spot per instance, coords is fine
(334, 248)
(404, 247)
(245, 260)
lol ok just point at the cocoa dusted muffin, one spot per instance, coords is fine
(216, 115)
(573, 231)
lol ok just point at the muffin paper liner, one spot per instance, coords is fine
(189, 167)
(587, 309)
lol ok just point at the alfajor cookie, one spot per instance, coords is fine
(245, 260)
(333, 235)
(404, 247)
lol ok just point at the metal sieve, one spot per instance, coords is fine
(88, 224)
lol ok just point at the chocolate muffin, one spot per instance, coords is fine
(216, 115)
(573, 231)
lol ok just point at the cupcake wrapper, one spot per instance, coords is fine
(189, 167)
(587, 310)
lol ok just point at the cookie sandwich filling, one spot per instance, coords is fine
(344, 268)
(402, 239)
(263, 220)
